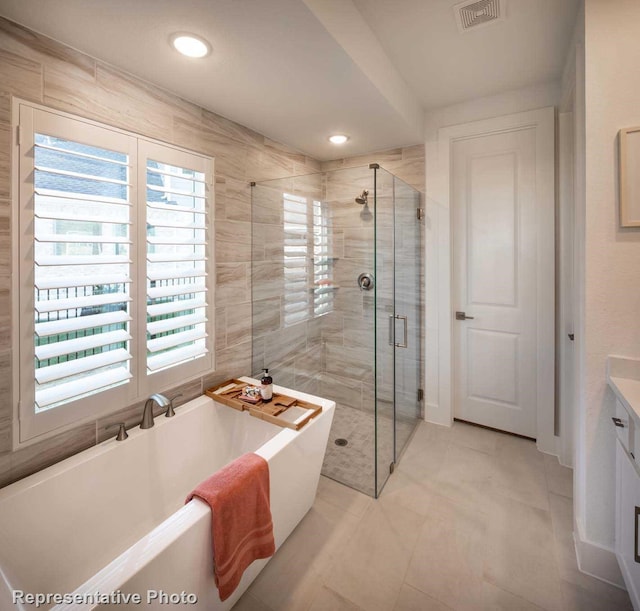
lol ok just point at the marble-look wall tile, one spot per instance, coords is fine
(5, 150)
(307, 367)
(283, 373)
(267, 279)
(349, 362)
(225, 129)
(238, 323)
(221, 326)
(114, 98)
(284, 344)
(407, 163)
(231, 362)
(344, 391)
(232, 241)
(20, 76)
(257, 355)
(237, 200)
(35, 67)
(232, 283)
(413, 152)
(42, 50)
(283, 151)
(346, 271)
(381, 157)
(266, 316)
(230, 157)
(271, 237)
(5, 319)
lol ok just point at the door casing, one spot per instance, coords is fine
(543, 121)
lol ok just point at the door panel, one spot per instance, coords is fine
(494, 229)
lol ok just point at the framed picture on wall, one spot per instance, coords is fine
(629, 141)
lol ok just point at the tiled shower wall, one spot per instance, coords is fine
(292, 352)
(41, 70)
(333, 355)
(348, 336)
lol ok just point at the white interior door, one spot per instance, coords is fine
(495, 281)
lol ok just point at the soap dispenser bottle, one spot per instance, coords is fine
(266, 386)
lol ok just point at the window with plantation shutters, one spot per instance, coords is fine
(113, 267)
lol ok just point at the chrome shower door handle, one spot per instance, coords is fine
(404, 344)
(391, 319)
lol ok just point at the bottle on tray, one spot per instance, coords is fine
(266, 386)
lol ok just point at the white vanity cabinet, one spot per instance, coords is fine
(628, 521)
(623, 376)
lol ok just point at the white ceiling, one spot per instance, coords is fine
(298, 70)
(444, 66)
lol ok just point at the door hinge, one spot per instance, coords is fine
(419, 213)
(420, 394)
(18, 135)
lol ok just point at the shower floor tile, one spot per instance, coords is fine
(354, 464)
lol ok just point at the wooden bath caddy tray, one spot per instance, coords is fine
(281, 410)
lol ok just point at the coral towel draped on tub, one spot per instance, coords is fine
(241, 526)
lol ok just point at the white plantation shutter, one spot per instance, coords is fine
(114, 266)
(81, 269)
(177, 262)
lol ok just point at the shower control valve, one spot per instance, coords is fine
(366, 282)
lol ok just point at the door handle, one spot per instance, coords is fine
(463, 316)
(636, 556)
(391, 319)
(406, 332)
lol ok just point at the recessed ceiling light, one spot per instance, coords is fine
(338, 139)
(190, 45)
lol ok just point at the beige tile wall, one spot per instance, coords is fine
(38, 69)
(348, 330)
(339, 363)
(406, 163)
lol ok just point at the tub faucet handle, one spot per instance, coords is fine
(170, 413)
(122, 430)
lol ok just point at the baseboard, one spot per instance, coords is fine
(434, 414)
(597, 561)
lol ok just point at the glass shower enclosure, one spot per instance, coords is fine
(337, 290)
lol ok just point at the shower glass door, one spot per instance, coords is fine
(408, 311)
(398, 308)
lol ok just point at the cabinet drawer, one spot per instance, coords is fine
(623, 426)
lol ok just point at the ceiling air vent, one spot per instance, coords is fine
(477, 13)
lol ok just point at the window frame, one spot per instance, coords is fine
(27, 120)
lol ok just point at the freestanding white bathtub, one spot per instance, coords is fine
(112, 519)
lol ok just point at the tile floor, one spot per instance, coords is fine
(353, 464)
(471, 520)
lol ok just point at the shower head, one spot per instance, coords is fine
(362, 199)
